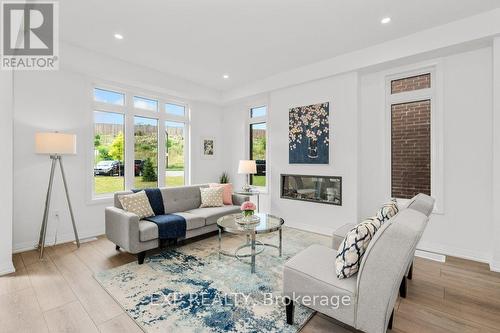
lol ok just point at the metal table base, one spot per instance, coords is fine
(253, 244)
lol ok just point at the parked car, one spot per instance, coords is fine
(138, 165)
(261, 167)
(109, 168)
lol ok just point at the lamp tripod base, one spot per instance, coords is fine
(43, 229)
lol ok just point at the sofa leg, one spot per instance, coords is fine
(140, 257)
(289, 311)
(410, 272)
(117, 247)
(391, 320)
(403, 287)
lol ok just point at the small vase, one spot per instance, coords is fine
(312, 149)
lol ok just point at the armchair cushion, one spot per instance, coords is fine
(308, 274)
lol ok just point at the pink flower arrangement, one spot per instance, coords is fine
(248, 208)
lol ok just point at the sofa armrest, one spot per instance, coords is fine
(122, 228)
(238, 199)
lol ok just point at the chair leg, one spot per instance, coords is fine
(391, 320)
(140, 257)
(117, 247)
(410, 272)
(403, 287)
(289, 311)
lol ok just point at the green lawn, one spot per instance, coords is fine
(105, 184)
(259, 181)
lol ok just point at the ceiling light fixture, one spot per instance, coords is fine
(385, 20)
(118, 36)
(225, 76)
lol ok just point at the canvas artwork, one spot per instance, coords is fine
(309, 134)
(208, 147)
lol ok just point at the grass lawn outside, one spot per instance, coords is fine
(259, 181)
(106, 184)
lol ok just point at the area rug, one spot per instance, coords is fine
(189, 289)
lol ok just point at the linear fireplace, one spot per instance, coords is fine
(320, 189)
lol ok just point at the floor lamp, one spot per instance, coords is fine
(56, 145)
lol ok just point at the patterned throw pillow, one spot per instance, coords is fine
(387, 211)
(353, 247)
(211, 197)
(227, 196)
(137, 203)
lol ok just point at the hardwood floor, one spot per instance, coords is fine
(59, 294)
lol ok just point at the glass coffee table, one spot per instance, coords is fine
(267, 224)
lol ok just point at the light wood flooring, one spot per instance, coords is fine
(59, 294)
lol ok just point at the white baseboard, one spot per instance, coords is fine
(430, 255)
(495, 266)
(7, 267)
(310, 228)
(49, 241)
(454, 252)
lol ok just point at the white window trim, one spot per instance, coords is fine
(257, 120)
(129, 111)
(435, 94)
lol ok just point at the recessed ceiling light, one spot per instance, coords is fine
(225, 76)
(385, 20)
(118, 36)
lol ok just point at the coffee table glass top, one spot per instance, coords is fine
(268, 223)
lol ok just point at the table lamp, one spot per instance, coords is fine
(55, 145)
(247, 167)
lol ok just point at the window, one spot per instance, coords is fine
(128, 150)
(411, 136)
(175, 141)
(145, 103)
(258, 142)
(258, 112)
(175, 110)
(108, 97)
(109, 152)
(145, 152)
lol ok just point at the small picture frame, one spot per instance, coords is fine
(208, 147)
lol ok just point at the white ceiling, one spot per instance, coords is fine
(200, 40)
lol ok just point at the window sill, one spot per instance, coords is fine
(100, 200)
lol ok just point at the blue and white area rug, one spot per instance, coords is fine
(189, 289)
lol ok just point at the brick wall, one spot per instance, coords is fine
(411, 83)
(411, 148)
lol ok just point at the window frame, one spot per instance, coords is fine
(106, 195)
(258, 120)
(434, 94)
(129, 112)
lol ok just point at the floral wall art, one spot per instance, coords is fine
(309, 134)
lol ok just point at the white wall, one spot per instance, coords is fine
(206, 121)
(465, 227)
(495, 263)
(341, 92)
(467, 142)
(6, 168)
(236, 145)
(61, 100)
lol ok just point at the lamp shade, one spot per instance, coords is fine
(55, 143)
(247, 167)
